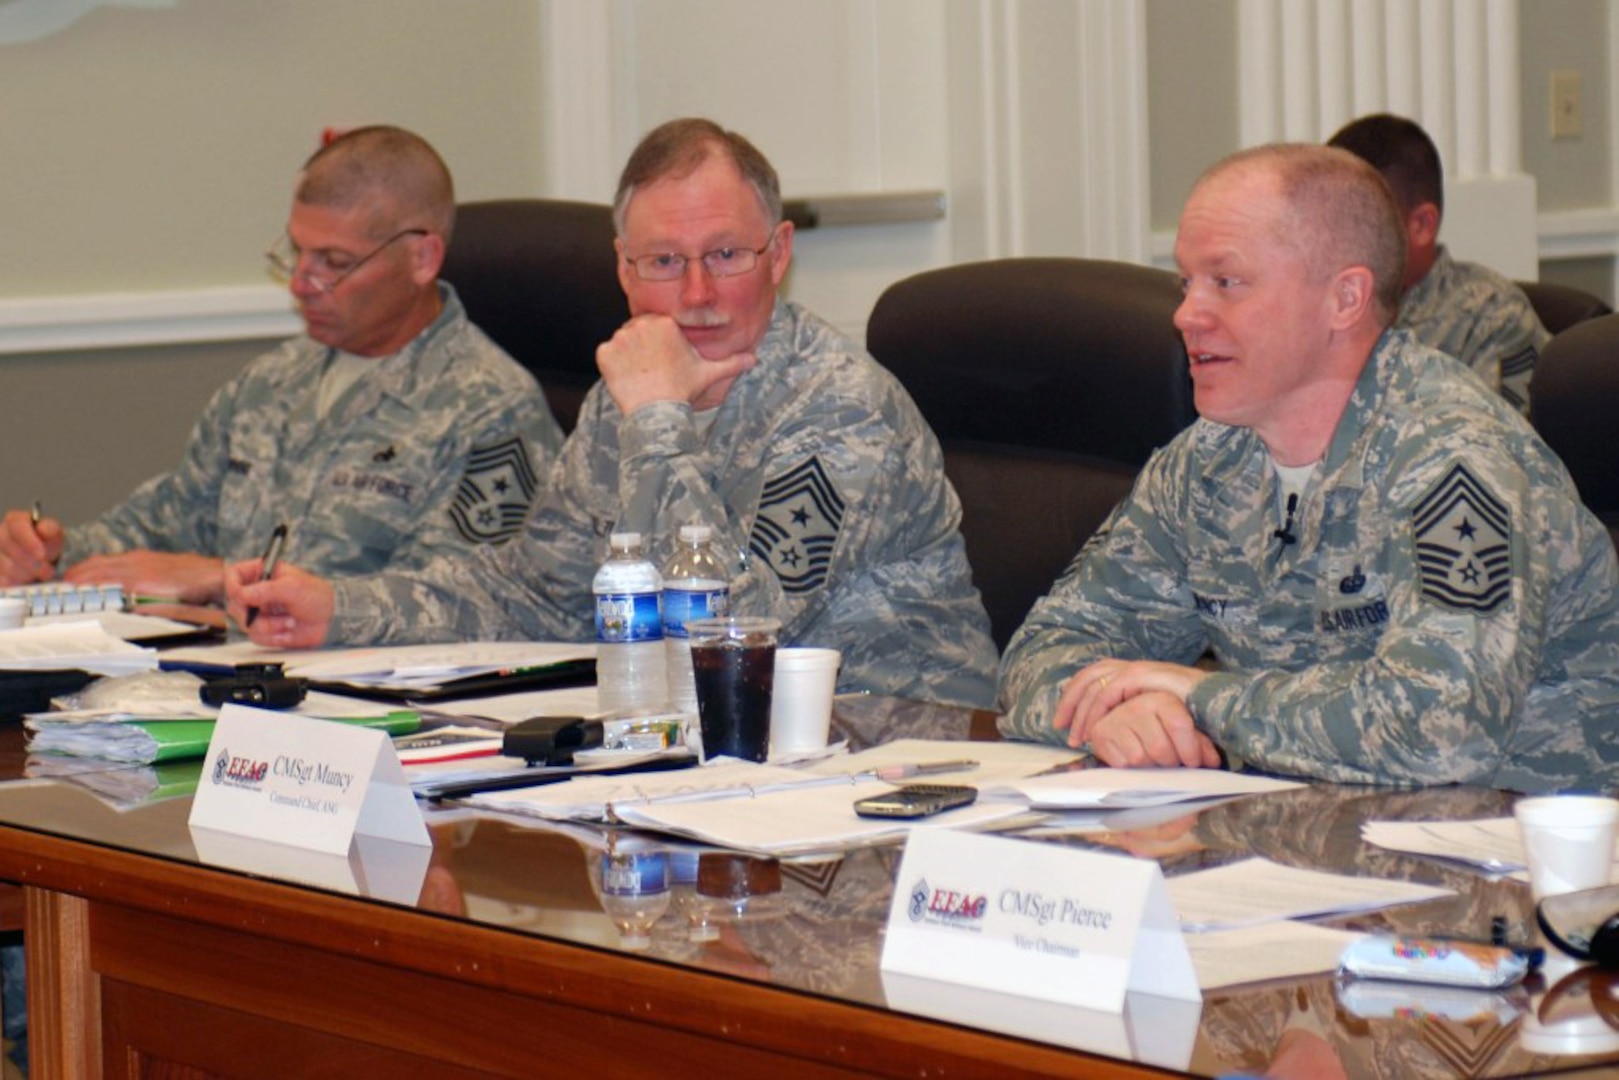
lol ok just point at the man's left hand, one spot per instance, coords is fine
(1100, 687)
(183, 576)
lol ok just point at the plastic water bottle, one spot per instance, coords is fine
(629, 630)
(696, 585)
(635, 893)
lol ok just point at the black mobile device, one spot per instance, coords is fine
(264, 691)
(915, 800)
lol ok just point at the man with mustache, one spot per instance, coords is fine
(719, 403)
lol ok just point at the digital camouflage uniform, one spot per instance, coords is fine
(438, 448)
(1449, 611)
(1482, 319)
(817, 470)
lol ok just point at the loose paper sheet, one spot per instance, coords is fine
(1256, 891)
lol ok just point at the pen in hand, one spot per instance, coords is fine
(272, 555)
(36, 514)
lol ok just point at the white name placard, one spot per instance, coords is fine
(1035, 920)
(305, 782)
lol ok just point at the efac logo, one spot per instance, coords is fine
(238, 771)
(944, 906)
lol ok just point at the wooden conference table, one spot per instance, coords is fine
(496, 959)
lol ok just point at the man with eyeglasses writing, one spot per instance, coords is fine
(391, 430)
(719, 403)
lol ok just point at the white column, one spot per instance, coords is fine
(577, 98)
(1450, 65)
(1058, 172)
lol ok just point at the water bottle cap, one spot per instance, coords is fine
(624, 540)
(695, 534)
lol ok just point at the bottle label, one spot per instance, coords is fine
(634, 875)
(625, 617)
(681, 606)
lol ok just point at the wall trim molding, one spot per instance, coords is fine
(127, 320)
(1579, 234)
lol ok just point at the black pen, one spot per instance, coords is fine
(272, 555)
(539, 776)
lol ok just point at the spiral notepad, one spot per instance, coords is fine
(62, 599)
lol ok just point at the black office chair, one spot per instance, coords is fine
(1562, 306)
(539, 276)
(1049, 382)
(1576, 395)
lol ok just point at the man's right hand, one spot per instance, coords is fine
(648, 359)
(294, 607)
(28, 552)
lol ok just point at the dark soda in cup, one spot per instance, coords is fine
(734, 667)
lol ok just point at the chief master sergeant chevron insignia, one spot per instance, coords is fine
(1464, 544)
(493, 497)
(797, 524)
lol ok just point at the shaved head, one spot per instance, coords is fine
(1335, 211)
(393, 176)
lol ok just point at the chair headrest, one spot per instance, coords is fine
(1075, 355)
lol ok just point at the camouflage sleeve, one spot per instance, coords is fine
(1125, 595)
(1479, 529)
(1507, 345)
(176, 510)
(488, 476)
(536, 588)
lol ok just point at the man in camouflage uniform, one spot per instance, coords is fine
(1431, 605)
(392, 430)
(1460, 308)
(719, 403)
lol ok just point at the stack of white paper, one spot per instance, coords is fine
(1132, 788)
(605, 798)
(1256, 891)
(72, 646)
(802, 820)
(1491, 844)
(426, 667)
(393, 667)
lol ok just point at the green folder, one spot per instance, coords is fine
(146, 741)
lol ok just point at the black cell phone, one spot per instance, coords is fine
(915, 800)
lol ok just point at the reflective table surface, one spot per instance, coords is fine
(815, 926)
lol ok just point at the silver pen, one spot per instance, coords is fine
(922, 768)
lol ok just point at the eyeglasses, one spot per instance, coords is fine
(721, 262)
(283, 259)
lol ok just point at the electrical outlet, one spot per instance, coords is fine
(1568, 112)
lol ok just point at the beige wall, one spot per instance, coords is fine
(1567, 35)
(153, 148)
(82, 428)
(1191, 96)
